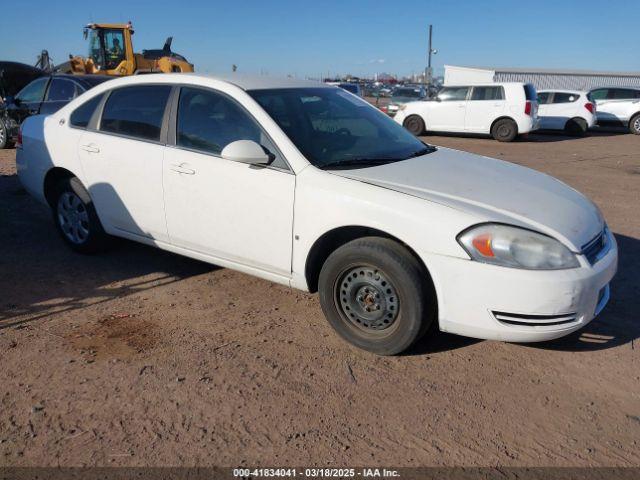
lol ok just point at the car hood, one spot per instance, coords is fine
(492, 190)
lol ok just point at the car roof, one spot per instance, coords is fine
(260, 82)
(560, 90)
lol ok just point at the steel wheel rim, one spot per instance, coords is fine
(367, 299)
(73, 218)
(504, 131)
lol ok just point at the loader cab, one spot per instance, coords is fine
(110, 48)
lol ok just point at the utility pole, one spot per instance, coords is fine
(428, 73)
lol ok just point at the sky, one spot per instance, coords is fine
(327, 38)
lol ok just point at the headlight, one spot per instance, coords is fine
(516, 247)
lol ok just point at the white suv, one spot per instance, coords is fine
(618, 106)
(503, 110)
(567, 110)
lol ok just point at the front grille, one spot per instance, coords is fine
(534, 320)
(592, 249)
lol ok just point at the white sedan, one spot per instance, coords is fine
(309, 186)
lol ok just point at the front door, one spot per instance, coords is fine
(448, 111)
(224, 209)
(122, 162)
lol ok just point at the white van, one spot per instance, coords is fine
(502, 110)
(568, 110)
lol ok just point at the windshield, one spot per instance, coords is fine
(349, 87)
(335, 129)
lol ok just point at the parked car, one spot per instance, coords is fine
(352, 88)
(402, 95)
(503, 110)
(13, 77)
(618, 106)
(568, 110)
(45, 95)
(309, 186)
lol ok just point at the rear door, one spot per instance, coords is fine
(122, 161)
(447, 112)
(485, 104)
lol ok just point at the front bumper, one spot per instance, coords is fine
(498, 303)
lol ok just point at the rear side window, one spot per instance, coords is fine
(451, 94)
(487, 93)
(136, 111)
(561, 97)
(61, 90)
(623, 94)
(530, 92)
(82, 115)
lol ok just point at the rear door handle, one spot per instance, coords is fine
(91, 148)
(182, 169)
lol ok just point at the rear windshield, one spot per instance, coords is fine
(530, 92)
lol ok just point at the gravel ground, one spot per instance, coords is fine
(140, 357)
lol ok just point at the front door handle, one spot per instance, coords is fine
(91, 148)
(180, 168)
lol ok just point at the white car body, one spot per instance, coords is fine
(617, 106)
(466, 114)
(266, 221)
(558, 107)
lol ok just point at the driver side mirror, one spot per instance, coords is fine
(246, 151)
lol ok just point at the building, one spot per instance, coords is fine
(540, 78)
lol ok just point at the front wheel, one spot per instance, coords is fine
(4, 140)
(76, 218)
(504, 130)
(634, 124)
(376, 296)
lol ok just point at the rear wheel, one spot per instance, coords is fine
(576, 127)
(76, 218)
(376, 296)
(634, 124)
(414, 124)
(504, 130)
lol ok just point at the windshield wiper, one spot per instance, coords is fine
(358, 162)
(422, 151)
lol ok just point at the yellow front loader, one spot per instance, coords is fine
(111, 53)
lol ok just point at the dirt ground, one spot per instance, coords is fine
(140, 357)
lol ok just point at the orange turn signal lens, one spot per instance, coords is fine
(482, 244)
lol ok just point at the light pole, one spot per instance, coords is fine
(428, 74)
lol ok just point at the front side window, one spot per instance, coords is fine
(209, 121)
(487, 93)
(334, 129)
(81, 116)
(452, 94)
(543, 97)
(623, 93)
(61, 90)
(34, 92)
(136, 111)
(561, 97)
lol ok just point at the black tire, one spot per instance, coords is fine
(634, 124)
(504, 130)
(4, 140)
(414, 124)
(576, 127)
(76, 218)
(389, 278)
